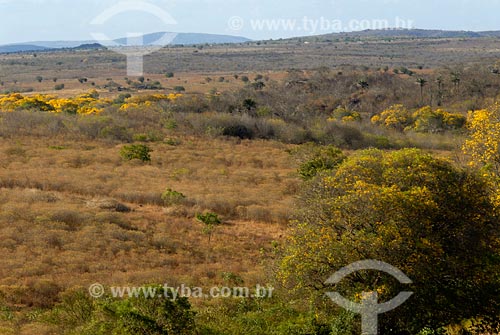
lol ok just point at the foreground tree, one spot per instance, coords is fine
(160, 313)
(422, 215)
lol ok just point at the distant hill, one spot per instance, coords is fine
(21, 48)
(189, 39)
(89, 46)
(404, 33)
(149, 39)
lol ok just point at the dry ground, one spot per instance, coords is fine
(56, 232)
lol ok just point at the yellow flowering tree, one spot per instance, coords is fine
(421, 214)
(396, 117)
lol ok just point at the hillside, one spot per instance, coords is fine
(149, 39)
(406, 33)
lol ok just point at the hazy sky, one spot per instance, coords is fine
(30, 20)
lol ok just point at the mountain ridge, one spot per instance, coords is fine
(406, 33)
(149, 39)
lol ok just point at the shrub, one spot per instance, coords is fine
(171, 197)
(259, 85)
(147, 137)
(322, 159)
(116, 132)
(432, 121)
(59, 87)
(240, 131)
(345, 115)
(78, 313)
(72, 219)
(179, 89)
(121, 98)
(136, 151)
(396, 117)
(209, 219)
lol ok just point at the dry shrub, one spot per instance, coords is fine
(38, 294)
(116, 219)
(34, 195)
(141, 198)
(108, 204)
(259, 213)
(71, 218)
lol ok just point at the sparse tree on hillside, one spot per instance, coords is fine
(439, 81)
(456, 79)
(363, 84)
(421, 82)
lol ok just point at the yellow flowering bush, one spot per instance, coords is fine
(88, 103)
(424, 119)
(84, 104)
(395, 117)
(483, 144)
(147, 100)
(344, 115)
(8, 101)
(428, 120)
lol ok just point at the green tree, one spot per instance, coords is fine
(433, 221)
(210, 220)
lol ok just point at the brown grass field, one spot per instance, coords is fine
(57, 232)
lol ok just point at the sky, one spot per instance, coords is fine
(50, 20)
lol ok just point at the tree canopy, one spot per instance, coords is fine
(433, 221)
